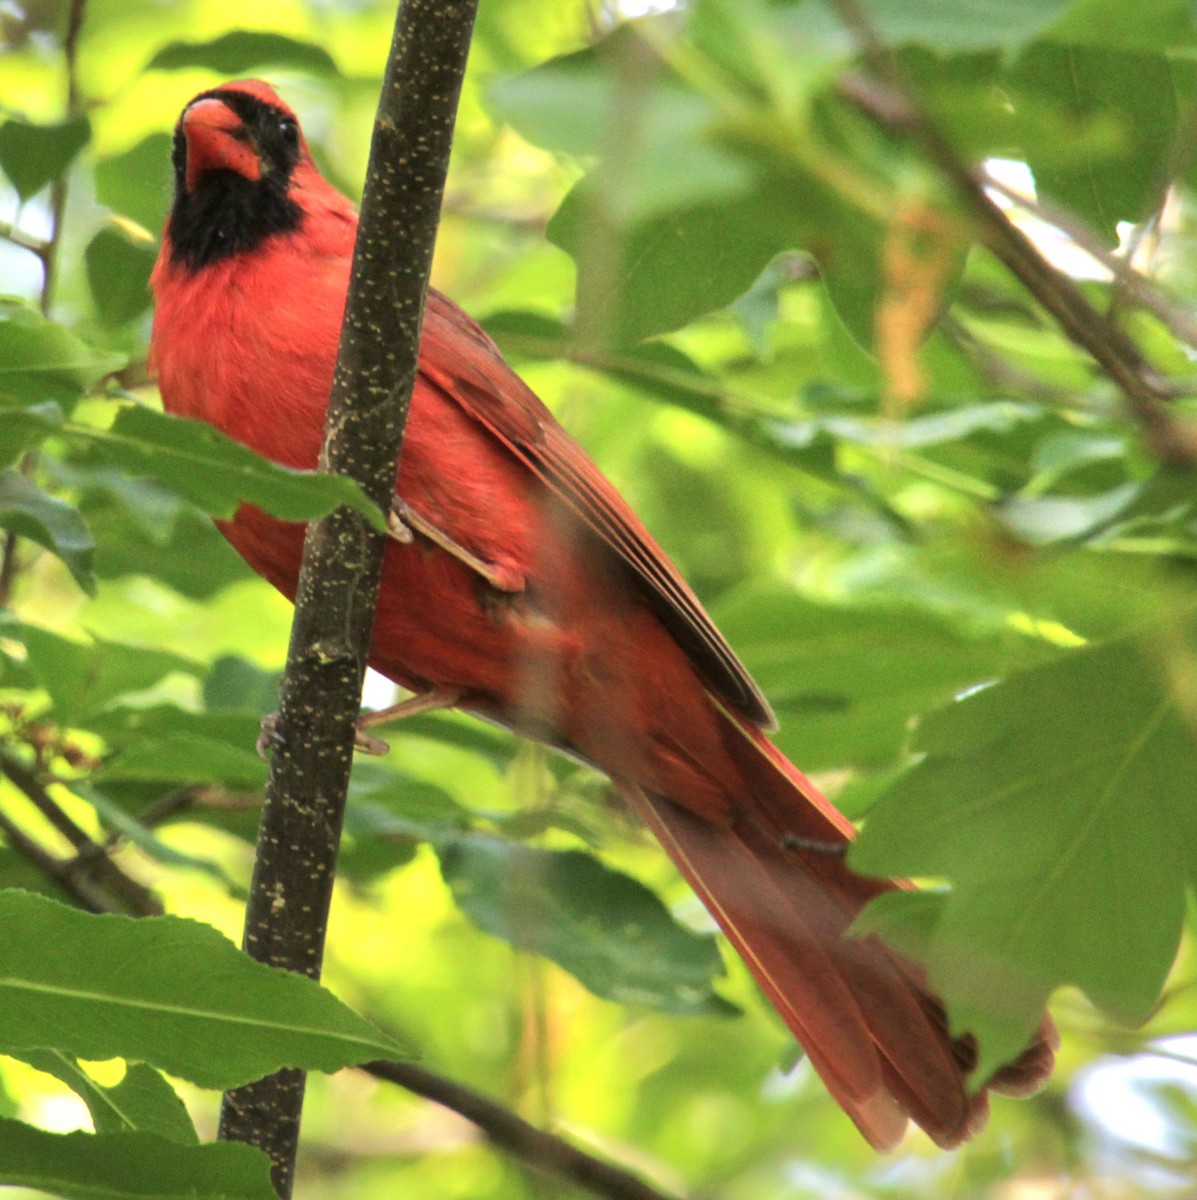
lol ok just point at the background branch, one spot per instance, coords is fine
(287, 913)
(541, 1151)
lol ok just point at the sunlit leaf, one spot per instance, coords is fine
(142, 1100)
(166, 991)
(130, 1166)
(240, 51)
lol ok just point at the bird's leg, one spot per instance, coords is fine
(421, 702)
(430, 701)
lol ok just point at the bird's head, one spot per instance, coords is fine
(239, 157)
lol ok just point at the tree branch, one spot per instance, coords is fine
(889, 100)
(538, 1149)
(338, 586)
(91, 874)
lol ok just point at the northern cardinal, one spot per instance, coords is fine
(519, 585)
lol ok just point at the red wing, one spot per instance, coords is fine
(466, 365)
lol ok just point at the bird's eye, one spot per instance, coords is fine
(289, 131)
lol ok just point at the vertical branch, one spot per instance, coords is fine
(287, 913)
(47, 252)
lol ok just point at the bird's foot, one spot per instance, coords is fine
(421, 702)
(271, 735)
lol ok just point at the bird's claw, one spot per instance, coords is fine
(269, 736)
(367, 743)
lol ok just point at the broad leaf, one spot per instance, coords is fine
(83, 678)
(238, 52)
(166, 744)
(604, 927)
(27, 510)
(1059, 805)
(34, 155)
(130, 1166)
(121, 181)
(118, 264)
(141, 1102)
(844, 681)
(41, 360)
(1134, 97)
(166, 991)
(196, 461)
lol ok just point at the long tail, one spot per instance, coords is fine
(861, 1011)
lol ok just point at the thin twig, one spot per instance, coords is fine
(1139, 289)
(10, 233)
(543, 1152)
(66, 874)
(91, 858)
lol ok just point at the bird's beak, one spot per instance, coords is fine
(218, 140)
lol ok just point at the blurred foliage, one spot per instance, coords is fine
(959, 566)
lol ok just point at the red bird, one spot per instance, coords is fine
(519, 585)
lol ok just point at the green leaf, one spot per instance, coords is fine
(135, 183)
(50, 522)
(962, 24)
(130, 1166)
(35, 155)
(605, 928)
(167, 744)
(196, 461)
(142, 528)
(233, 684)
(845, 681)
(663, 272)
(166, 991)
(141, 1102)
(238, 52)
(84, 678)
(572, 103)
(1113, 24)
(22, 429)
(118, 273)
(1132, 95)
(41, 360)
(1058, 805)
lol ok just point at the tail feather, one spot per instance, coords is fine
(862, 1012)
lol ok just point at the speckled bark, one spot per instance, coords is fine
(338, 587)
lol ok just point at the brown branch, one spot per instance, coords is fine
(91, 864)
(1138, 288)
(888, 99)
(10, 233)
(287, 913)
(541, 1151)
(64, 873)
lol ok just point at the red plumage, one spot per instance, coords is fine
(525, 585)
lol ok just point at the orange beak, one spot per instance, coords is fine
(217, 140)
